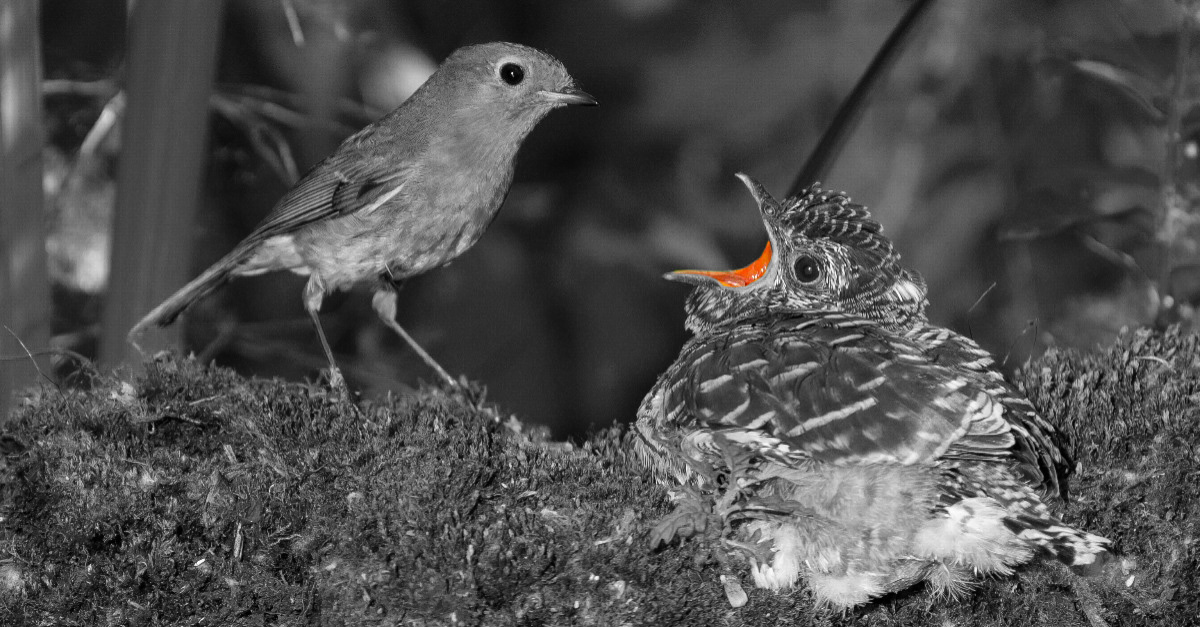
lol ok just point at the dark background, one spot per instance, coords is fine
(1035, 161)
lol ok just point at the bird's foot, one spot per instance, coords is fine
(448, 381)
(756, 548)
(337, 382)
(340, 395)
(1089, 602)
(472, 393)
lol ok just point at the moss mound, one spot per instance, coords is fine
(193, 496)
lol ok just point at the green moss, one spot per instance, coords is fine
(193, 496)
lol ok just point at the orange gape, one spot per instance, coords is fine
(740, 277)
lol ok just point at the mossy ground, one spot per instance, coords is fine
(192, 496)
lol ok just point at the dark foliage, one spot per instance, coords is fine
(1035, 161)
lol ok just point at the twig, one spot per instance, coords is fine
(343, 106)
(830, 144)
(49, 351)
(1031, 325)
(33, 361)
(109, 116)
(293, 21)
(103, 88)
(981, 297)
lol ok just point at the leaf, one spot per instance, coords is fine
(1137, 89)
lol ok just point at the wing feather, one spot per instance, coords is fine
(354, 178)
(829, 400)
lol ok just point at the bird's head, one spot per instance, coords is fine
(510, 80)
(824, 254)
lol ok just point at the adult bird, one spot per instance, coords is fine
(836, 435)
(404, 195)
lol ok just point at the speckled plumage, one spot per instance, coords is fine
(837, 435)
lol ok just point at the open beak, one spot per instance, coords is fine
(570, 95)
(728, 278)
(751, 273)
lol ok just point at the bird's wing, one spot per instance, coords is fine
(1040, 448)
(835, 392)
(356, 177)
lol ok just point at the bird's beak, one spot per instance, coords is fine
(727, 278)
(741, 277)
(767, 204)
(570, 95)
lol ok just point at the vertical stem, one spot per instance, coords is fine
(1175, 216)
(172, 60)
(24, 287)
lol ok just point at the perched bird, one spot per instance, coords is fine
(828, 431)
(404, 195)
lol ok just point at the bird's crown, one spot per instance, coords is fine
(821, 214)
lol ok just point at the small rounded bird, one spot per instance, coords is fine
(404, 195)
(829, 432)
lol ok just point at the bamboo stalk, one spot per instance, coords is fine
(172, 61)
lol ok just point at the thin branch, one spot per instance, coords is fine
(110, 115)
(293, 22)
(104, 88)
(981, 297)
(830, 145)
(30, 357)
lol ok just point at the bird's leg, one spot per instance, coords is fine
(314, 293)
(1085, 595)
(384, 303)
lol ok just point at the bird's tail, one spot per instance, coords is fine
(1086, 553)
(208, 281)
(1031, 520)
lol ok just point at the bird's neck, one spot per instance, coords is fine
(468, 165)
(487, 138)
(710, 310)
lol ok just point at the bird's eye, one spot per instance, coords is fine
(512, 73)
(806, 269)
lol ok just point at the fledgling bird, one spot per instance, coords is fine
(830, 432)
(404, 195)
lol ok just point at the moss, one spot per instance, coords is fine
(193, 496)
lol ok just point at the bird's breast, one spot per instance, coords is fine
(433, 220)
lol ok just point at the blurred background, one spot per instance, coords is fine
(1035, 160)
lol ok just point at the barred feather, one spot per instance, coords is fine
(844, 438)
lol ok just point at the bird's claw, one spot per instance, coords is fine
(470, 392)
(336, 381)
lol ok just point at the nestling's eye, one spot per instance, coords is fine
(806, 269)
(512, 73)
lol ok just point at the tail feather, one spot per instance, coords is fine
(208, 281)
(1029, 518)
(1084, 552)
